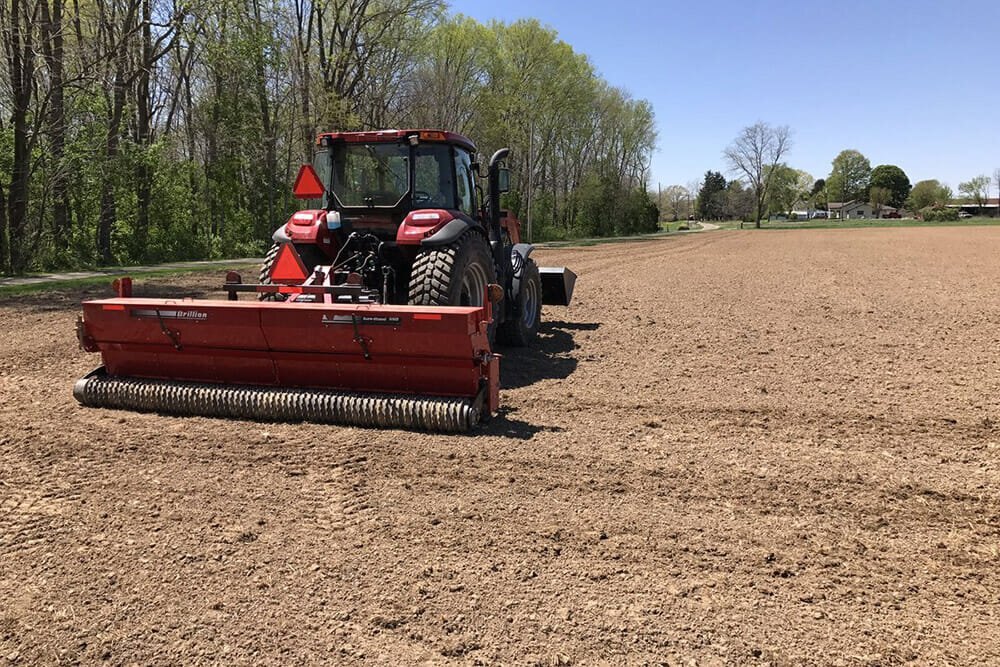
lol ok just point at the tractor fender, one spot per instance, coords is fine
(281, 235)
(519, 254)
(450, 232)
(523, 249)
(304, 227)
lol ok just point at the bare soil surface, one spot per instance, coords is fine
(734, 448)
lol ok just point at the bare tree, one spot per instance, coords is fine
(353, 37)
(675, 202)
(754, 154)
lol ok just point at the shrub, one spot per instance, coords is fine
(939, 214)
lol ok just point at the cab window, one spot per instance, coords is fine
(434, 184)
(464, 181)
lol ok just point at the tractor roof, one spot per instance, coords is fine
(386, 136)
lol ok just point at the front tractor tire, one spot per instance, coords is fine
(456, 274)
(521, 330)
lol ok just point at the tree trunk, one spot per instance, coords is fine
(189, 130)
(21, 76)
(52, 30)
(267, 124)
(3, 231)
(760, 209)
(109, 212)
(212, 158)
(304, 44)
(143, 173)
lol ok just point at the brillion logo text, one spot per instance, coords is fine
(196, 315)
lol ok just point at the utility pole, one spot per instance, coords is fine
(659, 203)
(996, 179)
(531, 172)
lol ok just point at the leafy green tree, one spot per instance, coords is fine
(569, 131)
(155, 130)
(879, 197)
(712, 197)
(849, 179)
(928, 193)
(977, 189)
(893, 179)
(739, 201)
(448, 86)
(788, 186)
(818, 194)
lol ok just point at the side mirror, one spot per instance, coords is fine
(503, 180)
(308, 184)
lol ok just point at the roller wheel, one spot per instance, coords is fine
(522, 329)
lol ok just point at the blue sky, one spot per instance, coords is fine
(913, 83)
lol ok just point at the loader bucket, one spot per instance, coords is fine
(557, 285)
(358, 364)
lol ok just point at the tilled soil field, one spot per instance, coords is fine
(734, 448)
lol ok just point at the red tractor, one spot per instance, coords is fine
(378, 307)
(403, 215)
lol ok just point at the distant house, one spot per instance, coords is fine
(857, 210)
(801, 210)
(892, 212)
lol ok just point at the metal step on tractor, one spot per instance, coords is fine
(380, 306)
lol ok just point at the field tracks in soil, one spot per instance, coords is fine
(335, 495)
(31, 519)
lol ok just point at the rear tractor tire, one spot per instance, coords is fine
(265, 274)
(310, 255)
(521, 330)
(456, 274)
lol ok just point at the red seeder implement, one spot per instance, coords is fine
(348, 363)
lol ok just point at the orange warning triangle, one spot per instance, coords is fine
(288, 266)
(307, 184)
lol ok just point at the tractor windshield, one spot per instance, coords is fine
(370, 174)
(377, 175)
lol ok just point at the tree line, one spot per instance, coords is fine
(765, 185)
(153, 130)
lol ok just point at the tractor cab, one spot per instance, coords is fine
(374, 180)
(399, 208)
(385, 198)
